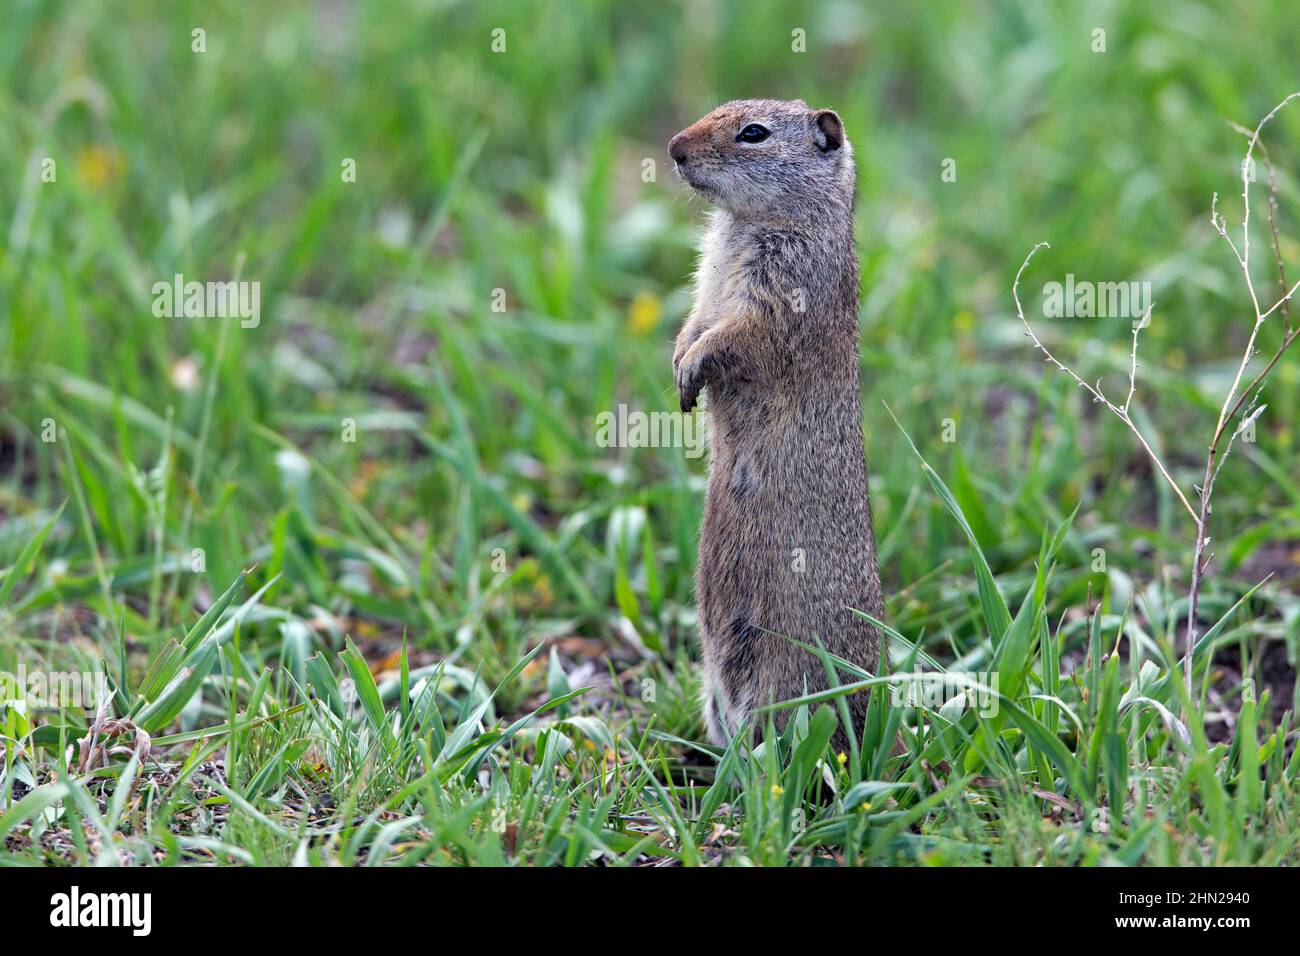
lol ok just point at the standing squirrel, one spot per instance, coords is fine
(786, 545)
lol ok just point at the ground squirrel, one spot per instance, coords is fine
(786, 544)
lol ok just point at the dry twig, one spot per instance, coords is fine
(1238, 401)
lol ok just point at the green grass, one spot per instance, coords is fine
(467, 637)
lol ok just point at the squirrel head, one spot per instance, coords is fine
(774, 159)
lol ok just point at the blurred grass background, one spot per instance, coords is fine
(522, 171)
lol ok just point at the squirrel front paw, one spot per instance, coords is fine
(691, 373)
(688, 336)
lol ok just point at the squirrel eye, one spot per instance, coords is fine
(753, 133)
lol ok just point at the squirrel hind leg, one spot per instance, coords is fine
(712, 723)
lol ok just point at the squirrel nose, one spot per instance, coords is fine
(677, 148)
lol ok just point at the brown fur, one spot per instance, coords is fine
(773, 336)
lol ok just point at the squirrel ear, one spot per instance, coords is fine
(828, 130)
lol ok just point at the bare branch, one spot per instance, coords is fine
(1095, 391)
(1133, 357)
(1234, 402)
(1272, 219)
(1237, 398)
